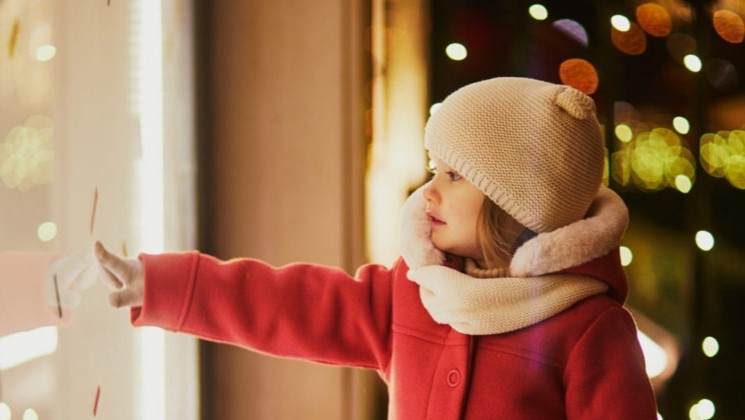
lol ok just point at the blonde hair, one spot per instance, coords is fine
(499, 235)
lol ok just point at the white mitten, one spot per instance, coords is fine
(68, 277)
(123, 274)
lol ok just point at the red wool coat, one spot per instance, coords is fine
(584, 363)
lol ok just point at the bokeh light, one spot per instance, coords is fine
(653, 160)
(580, 74)
(456, 51)
(624, 133)
(729, 26)
(704, 240)
(702, 410)
(683, 184)
(632, 41)
(722, 154)
(710, 346)
(654, 19)
(572, 29)
(681, 125)
(5, 413)
(30, 414)
(655, 357)
(679, 45)
(722, 75)
(46, 52)
(46, 231)
(538, 12)
(26, 155)
(626, 256)
(692, 63)
(620, 23)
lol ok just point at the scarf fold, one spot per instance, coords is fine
(477, 306)
(482, 306)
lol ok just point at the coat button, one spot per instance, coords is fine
(453, 378)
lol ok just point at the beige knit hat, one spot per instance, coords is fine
(534, 148)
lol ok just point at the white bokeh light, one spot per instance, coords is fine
(704, 240)
(538, 12)
(456, 51)
(626, 256)
(692, 63)
(5, 413)
(46, 231)
(710, 346)
(702, 410)
(620, 22)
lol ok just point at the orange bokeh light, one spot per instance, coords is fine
(654, 19)
(579, 74)
(729, 26)
(631, 42)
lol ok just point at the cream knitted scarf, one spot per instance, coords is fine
(532, 293)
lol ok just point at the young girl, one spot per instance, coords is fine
(506, 303)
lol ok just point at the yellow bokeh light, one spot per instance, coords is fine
(723, 156)
(624, 133)
(735, 172)
(653, 160)
(456, 51)
(621, 170)
(538, 12)
(26, 155)
(710, 346)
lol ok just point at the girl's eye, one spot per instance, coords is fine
(454, 176)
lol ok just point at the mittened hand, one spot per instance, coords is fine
(68, 277)
(124, 275)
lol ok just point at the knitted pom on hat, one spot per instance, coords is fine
(534, 148)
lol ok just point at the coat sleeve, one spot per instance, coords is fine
(605, 375)
(304, 311)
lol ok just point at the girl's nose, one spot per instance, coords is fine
(430, 192)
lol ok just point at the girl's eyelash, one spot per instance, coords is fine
(454, 176)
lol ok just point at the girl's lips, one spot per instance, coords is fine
(433, 219)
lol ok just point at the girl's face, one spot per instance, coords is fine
(453, 209)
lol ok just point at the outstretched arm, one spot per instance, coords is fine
(304, 311)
